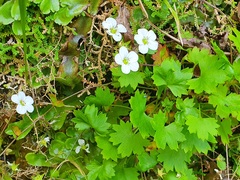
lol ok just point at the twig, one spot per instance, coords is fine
(219, 10)
(164, 32)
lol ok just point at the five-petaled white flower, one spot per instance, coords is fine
(146, 40)
(82, 145)
(114, 29)
(128, 60)
(24, 103)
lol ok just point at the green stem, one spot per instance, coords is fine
(174, 13)
(22, 7)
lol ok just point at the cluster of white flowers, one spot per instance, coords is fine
(129, 60)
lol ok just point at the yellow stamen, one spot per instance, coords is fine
(145, 41)
(125, 61)
(113, 30)
(22, 103)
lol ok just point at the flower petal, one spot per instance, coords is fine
(133, 57)
(87, 148)
(134, 66)
(21, 109)
(121, 28)
(21, 95)
(153, 45)
(15, 99)
(143, 32)
(78, 148)
(151, 35)
(106, 25)
(138, 38)
(29, 108)
(125, 69)
(111, 21)
(47, 139)
(123, 51)
(117, 37)
(119, 59)
(143, 49)
(81, 142)
(29, 100)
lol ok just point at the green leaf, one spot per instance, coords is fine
(146, 161)
(108, 150)
(193, 143)
(102, 97)
(174, 159)
(63, 17)
(75, 6)
(236, 38)
(221, 162)
(91, 118)
(55, 102)
(225, 130)
(186, 108)
(93, 8)
(20, 129)
(49, 5)
(132, 79)
(57, 116)
(236, 68)
(210, 68)
(170, 134)
(58, 147)
(126, 174)
(205, 128)
(118, 109)
(81, 21)
(37, 160)
(138, 116)
(15, 10)
(104, 170)
(5, 13)
(16, 27)
(38, 177)
(128, 141)
(225, 104)
(169, 75)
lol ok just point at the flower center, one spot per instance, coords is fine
(126, 61)
(22, 103)
(113, 30)
(145, 41)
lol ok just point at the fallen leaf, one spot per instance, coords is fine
(194, 42)
(161, 54)
(123, 18)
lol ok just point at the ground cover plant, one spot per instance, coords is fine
(123, 90)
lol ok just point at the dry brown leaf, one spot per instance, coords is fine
(161, 54)
(123, 18)
(194, 42)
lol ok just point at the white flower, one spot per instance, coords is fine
(128, 60)
(146, 40)
(44, 141)
(24, 103)
(82, 145)
(114, 29)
